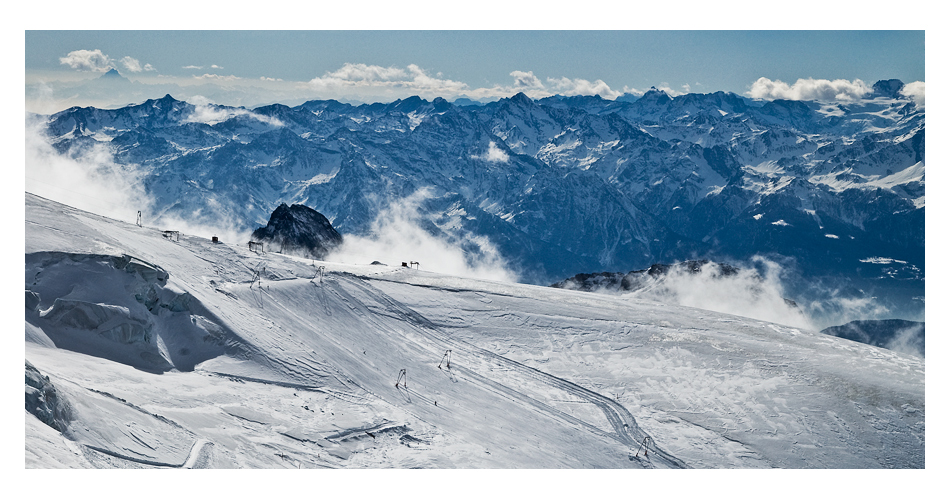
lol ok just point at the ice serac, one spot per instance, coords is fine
(299, 228)
(44, 401)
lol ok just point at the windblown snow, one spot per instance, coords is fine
(153, 352)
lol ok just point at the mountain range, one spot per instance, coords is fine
(834, 192)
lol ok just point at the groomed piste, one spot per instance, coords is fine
(144, 351)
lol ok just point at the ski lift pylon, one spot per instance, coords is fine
(402, 377)
(447, 359)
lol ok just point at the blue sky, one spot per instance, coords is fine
(720, 60)
(258, 67)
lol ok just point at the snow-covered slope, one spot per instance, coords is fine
(174, 354)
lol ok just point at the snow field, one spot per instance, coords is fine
(298, 371)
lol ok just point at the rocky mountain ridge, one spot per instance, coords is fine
(560, 185)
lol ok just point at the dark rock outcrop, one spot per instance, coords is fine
(44, 401)
(299, 229)
(635, 280)
(895, 334)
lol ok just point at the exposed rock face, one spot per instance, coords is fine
(564, 184)
(43, 401)
(888, 88)
(635, 280)
(299, 228)
(895, 334)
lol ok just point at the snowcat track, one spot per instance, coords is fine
(626, 430)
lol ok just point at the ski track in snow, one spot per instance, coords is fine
(308, 369)
(625, 427)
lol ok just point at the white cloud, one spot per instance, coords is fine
(526, 80)
(810, 89)
(131, 64)
(87, 60)
(397, 235)
(494, 154)
(750, 293)
(412, 79)
(191, 66)
(909, 340)
(221, 78)
(914, 90)
(355, 74)
(85, 177)
(632, 91)
(579, 86)
(208, 113)
(95, 60)
(371, 81)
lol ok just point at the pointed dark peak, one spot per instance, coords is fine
(165, 102)
(441, 105)
(655, 94)
(330, 105)
(112, 74)
(887, 88)
(407, 105)
(520, 99)
(272, 109)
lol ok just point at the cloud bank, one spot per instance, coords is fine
(915, 91)
(754, 292)
(387, 82)
(84, 178)
(413, 77)
(810, 89)
(397, 235)
(207, 113)
(96, 61)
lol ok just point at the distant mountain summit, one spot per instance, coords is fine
(112, 74)
(888, 88)
(564, 184)
(299, 228)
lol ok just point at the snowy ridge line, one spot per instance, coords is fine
(139, 409)
(241, 378)
(140, 460)
(619, 417)
(196, 453)
(348, 433)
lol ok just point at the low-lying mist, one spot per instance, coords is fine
(755, 291)
(89, 179)
(84, 178)
(397, 235)
(761, 288)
